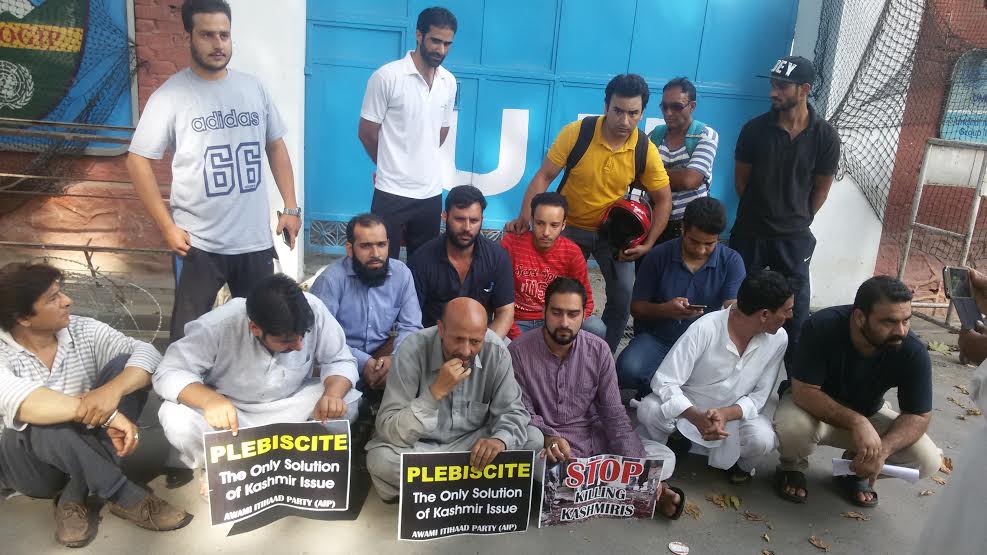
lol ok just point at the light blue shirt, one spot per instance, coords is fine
(367, 314)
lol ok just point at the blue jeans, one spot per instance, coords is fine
(619, 279)
(593, 325)
(639, 360)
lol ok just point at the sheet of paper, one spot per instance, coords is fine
(841, 467)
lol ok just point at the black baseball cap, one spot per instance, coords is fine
(793, 69)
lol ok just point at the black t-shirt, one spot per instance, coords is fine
(490, 279)
(778, 198)
(825, 357)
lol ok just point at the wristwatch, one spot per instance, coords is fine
(293, 212)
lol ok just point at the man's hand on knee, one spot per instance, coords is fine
(96, 406)
(220, 413)
(329, 407)
(485, 451)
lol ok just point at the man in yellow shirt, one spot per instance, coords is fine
(601, 176)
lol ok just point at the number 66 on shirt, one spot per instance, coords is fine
(225, 168)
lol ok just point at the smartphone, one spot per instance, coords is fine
(284, 233)
(957, 282)
(696, 307)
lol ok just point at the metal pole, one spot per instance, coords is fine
(914, 216)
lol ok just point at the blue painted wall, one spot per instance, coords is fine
(544, 60)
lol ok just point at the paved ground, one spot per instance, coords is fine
(371, 526)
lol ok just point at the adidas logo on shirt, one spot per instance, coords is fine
(218, 120)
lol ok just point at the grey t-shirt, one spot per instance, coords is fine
(218, 131)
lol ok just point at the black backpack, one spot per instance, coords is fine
(586, 128)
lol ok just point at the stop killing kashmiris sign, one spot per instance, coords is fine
(442, 495)
(600, 486)
(303, 465)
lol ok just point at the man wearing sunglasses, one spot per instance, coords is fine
(784, 166)
(687, 147)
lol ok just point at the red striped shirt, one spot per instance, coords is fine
(534, 270)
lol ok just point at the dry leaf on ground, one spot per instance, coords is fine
(926, 492)
(766, 537)
(754, 517)
(946, 466)
(693, 510)
(939, 480)
(939, 347)
(816, 541)
(961, 417)
(767, 552)
(734, 502)
(962, 389)
(718, 499)
(973, 412)
(957, 403)
(855, 515)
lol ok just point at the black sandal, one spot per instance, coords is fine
(790, 479)
(679, 509)
(852, 485)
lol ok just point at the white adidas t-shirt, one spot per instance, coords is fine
(218, 131)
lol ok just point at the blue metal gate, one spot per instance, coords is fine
(525, 68)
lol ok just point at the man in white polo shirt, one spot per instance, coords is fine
(405, 118)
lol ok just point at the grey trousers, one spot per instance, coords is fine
(384, 461)
(42, 461)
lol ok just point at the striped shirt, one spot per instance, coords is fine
(701, 161)
(84, 348)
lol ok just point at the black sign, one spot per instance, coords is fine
(442, 495)
(305, 466)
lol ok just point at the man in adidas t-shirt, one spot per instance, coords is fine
(219, 123)
(687, 147)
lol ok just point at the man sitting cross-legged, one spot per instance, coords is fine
(71, 389)
(714, 383)
(369, 294)
(569, 385)
(846, 361)
(250, 362)
(450, 388)
(541, 255)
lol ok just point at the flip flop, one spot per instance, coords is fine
(793, 479)
(679, 509)
(851, 486)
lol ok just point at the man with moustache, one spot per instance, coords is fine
(541, 255)
(848, 359)
(569, 386)
(785, 161)
(250, 362)
(370, 294)
(464, 263)
(218, 122)
(450, 388)
(406, 114)
(614, 156)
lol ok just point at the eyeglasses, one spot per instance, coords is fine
(674, 107)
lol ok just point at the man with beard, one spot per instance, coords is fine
(603, 158)
(541, 255)
(712, 387)
(370, 294)
(250, 362)
(450, 388)
(464, 263)
(784, 165)
(406, 114)
(217, 121)
(849, 357)
(569, 386)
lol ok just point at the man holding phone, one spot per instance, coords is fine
(678, 281)
(973, 338)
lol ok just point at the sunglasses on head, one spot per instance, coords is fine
(674, 106)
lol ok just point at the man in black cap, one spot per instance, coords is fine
(784, 166)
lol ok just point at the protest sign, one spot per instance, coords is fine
(600, 486)
(301, 465)
(442, 495)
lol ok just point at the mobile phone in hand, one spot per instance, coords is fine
(696, 307)
(957, 286)
(284, 232)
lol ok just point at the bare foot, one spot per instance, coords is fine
(668, 500)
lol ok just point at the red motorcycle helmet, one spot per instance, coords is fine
(625, 224)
